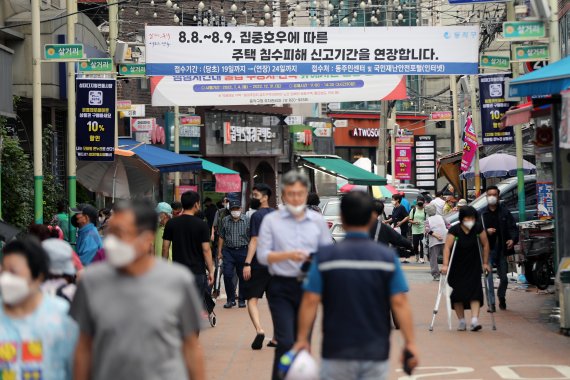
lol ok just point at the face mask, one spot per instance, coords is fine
(492, 200)
(227, 206)
(119, 254)
(14, 288)
(295, 210)
(236, 214)
(101, 219)
(420, 204)
(469, 224)
(254, 203)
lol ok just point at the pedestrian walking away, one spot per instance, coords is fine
(357, 281)
(384, 233)
(139, 317)
(436, 232)
(164, 211)
(190, 240)
(465, 270)
(37, 336)
(232, 250)
(439, 203)
(503, 234)
(88, 238)
(256, 276)
(417, 220)
(399, 220)
(62, 220)
(286, 240)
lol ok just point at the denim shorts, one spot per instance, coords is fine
(336, 369)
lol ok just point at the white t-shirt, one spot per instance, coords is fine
(438, 203)
(437, 225)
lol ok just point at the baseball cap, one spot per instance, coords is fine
(88, 210)
(60, 256)
(164, 207)
(235, 204)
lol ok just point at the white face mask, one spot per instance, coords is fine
(492, 200)
(227, 206)
(236, 214)
(101, 219)
(119, 254)
(469, 224)
(14, 289)
(296, 210)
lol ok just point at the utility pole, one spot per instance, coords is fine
(554, 33)
(37, 112)
(71, 154)
(475, 122)
(176, 148)
(381, 152)
(456, 127)
(113, 6)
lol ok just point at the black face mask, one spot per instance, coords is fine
(254, 203)
(421, 204)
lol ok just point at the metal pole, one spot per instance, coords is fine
(554, 33)
(37, 112)
(1, 150)
(456, 126)
(176, 146)
(113, 36)
(381, 150)
(475, 121)
(71, 158)
(393, 153)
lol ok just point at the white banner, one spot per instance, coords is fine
(179, 50)
(211, 90)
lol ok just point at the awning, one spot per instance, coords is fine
(344, 169)
(522, 114)
(227, 180)
(551, 79)
(163, 160)
(215, 168)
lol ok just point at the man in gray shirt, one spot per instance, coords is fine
(286, 240)
(139, 316)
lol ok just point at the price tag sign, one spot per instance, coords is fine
(523, 30)
(495, 62)
(132, 69)
(96, 66)
(531, 53)
(63, 52)
(95, 119)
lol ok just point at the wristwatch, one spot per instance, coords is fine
(246, 264)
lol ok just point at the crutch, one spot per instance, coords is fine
(486, 274)
(443, 286)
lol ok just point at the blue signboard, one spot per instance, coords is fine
(544, 191)
(493, 107)
(95, 119)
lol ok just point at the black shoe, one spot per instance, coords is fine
(258, 342)
(492, 309)
(272, 344)
(502, 303)
(241, 304)
(229, 305)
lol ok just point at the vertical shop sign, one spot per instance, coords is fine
(403, 161)
(493, 108)
(545, 201)
(95, 119)
(425, 148)
(470, 145)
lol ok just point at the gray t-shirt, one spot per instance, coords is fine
(138, 324)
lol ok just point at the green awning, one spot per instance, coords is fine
(344, 169)
(215, 168)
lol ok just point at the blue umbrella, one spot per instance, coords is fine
(499, 165)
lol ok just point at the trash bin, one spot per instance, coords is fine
(565, 299)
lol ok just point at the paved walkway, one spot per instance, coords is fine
(525, 346)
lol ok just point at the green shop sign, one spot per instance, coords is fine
(132, 69)
(63, 51)
(495, 62)
(531, 53)
(96, 65)
(523, 30)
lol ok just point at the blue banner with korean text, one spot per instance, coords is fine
(493, 108)
(95, 119)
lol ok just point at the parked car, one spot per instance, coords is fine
(337, 232)
(509, 199)
(330, 206)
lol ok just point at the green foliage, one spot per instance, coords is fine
(17, 181)
(53, 190)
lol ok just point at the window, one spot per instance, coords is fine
(332, 209)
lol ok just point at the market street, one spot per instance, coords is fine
(525, 342)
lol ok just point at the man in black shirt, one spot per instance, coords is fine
(502, 233)
(383, 233)
(190, 239)
(257, 276)
(399, 219)
(210, 211)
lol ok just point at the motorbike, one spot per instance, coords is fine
(537, 247)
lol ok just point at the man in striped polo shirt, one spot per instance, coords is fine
(357, 282)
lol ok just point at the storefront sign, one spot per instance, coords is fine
(470, 145)
(365, 132)
(190, 120)
(341, 123)
(184, 50)
(63, 52)
(234, 133)
(302, 137)
(523, 30)
(132, 69)
(544, 195)
(136, 110)
(495, 62)
(565, 121)
(228, 183)
(493, 107)
(203, 90)
(184, 188)
(405, 140)
(123, 105)
(321, 128)
(531, 53)
(425, 154)
(294, 120)
(403, 162)
(95, 119)
(442, 115)
(142, 129)
(96, 66)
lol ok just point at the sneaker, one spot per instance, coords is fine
(406, 261)
(436, 277)
(476, 327)
(462, 326)
(229, 304)
(241, 304)
(502, 303)
(492, 309)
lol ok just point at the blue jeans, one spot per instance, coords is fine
(500, 261)
(334, 369)
(233, 263)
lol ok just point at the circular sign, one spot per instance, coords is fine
(535, 65)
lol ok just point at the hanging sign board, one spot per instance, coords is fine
(95, 119)
(523, 30)
(493, 107)
(185, 50)
(96, 66)
(495, 62)
(425, 154)
(531, 53)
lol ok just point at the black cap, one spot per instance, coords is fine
(235, 204)
(88, 210)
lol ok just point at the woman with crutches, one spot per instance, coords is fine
(465, 272)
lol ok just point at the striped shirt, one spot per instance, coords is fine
(235, 232)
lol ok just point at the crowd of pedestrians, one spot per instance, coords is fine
(120, 293)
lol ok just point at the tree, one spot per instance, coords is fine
(53, 190)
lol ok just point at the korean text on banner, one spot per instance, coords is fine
(228, 183)
(181, 50)
(403, 162)
(493, 107)
(470, 145)
(95, 119)
(206, 90)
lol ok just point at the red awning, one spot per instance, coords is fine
(517, 115)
